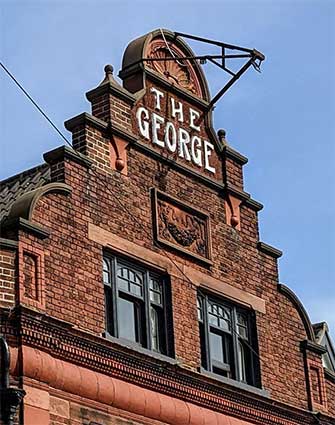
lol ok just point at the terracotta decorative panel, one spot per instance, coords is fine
(181, 227)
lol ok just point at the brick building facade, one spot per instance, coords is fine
(134, 288)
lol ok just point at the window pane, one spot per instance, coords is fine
(130, 280)
(241, 362)
(154, 329)
(216, 347)
(106, 274)
(127, 319)
(135, 289)
(242, 326)
(155, 291)
(219, 316)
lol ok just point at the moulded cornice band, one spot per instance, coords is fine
(64, 152)
(24, 206)
(123, 395)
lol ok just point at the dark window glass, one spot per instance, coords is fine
(227, 348)
(128, 321)
(135, 302)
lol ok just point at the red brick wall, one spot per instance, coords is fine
(103, 197)
(7, 277)
(73, 264)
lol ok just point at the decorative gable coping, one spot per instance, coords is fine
(301, 311)
(64, 152)
(114, 89)
(269, 250)
(85, 118)
(234, 155)
(24, 206)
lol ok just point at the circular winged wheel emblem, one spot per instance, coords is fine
(173, 70)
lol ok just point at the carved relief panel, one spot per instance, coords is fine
(181, 227)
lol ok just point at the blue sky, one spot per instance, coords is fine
(282, 119)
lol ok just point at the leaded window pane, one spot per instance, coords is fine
(219, 316)
(155, 291)
(106, 272)
(130, 281)
(242, 326)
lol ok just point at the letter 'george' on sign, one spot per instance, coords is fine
(171, 114)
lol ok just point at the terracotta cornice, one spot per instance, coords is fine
(62, 341)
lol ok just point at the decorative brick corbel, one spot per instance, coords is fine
(232, 207)
(118, 154)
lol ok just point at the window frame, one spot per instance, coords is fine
(230, 370)
(144, 304)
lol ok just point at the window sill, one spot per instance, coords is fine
(236, 384)
(136, 347)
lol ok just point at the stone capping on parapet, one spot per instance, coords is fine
(236, 156)
(85, 118)
(244, 196)
(312, 346)
(65, 152)
(269, 250)
(113, 88)
(8, 244)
